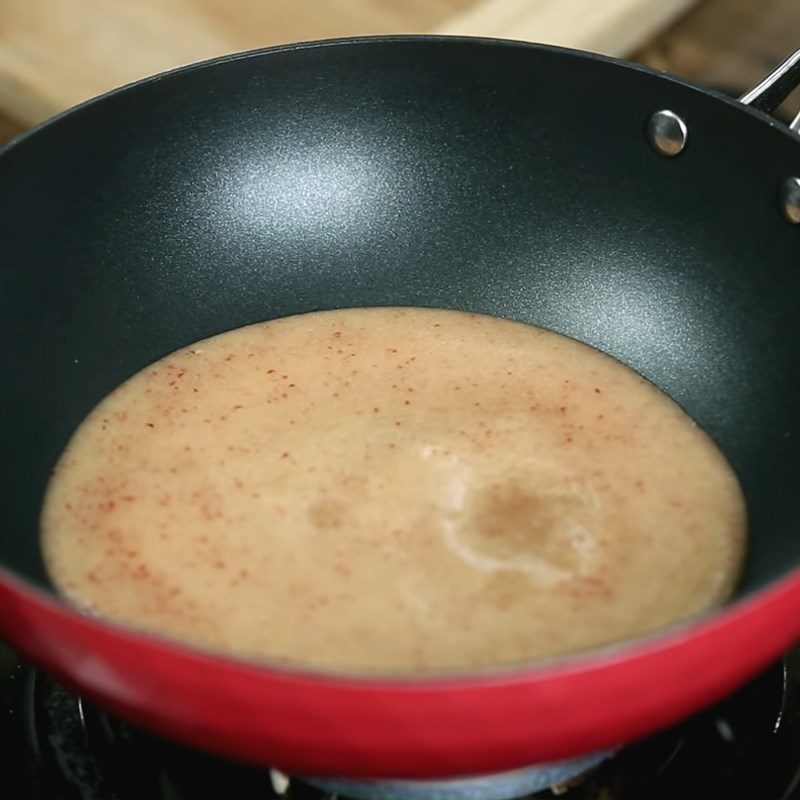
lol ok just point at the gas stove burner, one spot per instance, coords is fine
(60, 746)
(499, 786)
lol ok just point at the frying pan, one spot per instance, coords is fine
(524, 181)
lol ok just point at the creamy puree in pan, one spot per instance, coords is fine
(392, 489)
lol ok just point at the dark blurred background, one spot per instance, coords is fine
(55, 53)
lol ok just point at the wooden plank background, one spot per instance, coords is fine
(55, 53)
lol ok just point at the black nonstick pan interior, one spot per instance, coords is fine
(483, 176)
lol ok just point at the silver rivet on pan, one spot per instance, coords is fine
(667, 133)
(790, 200)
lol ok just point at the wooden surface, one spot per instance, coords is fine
(613, 27)
(729, 44)
(55, 53)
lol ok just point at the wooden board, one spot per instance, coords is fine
(729, 44)
(613, 27)
(55, 53)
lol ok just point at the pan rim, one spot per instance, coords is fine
(562, 666)
(355, 41)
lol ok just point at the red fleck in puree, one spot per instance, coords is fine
(392, 489)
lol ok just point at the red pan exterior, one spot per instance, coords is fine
(324, 725)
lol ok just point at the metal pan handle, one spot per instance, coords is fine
(776, 87)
